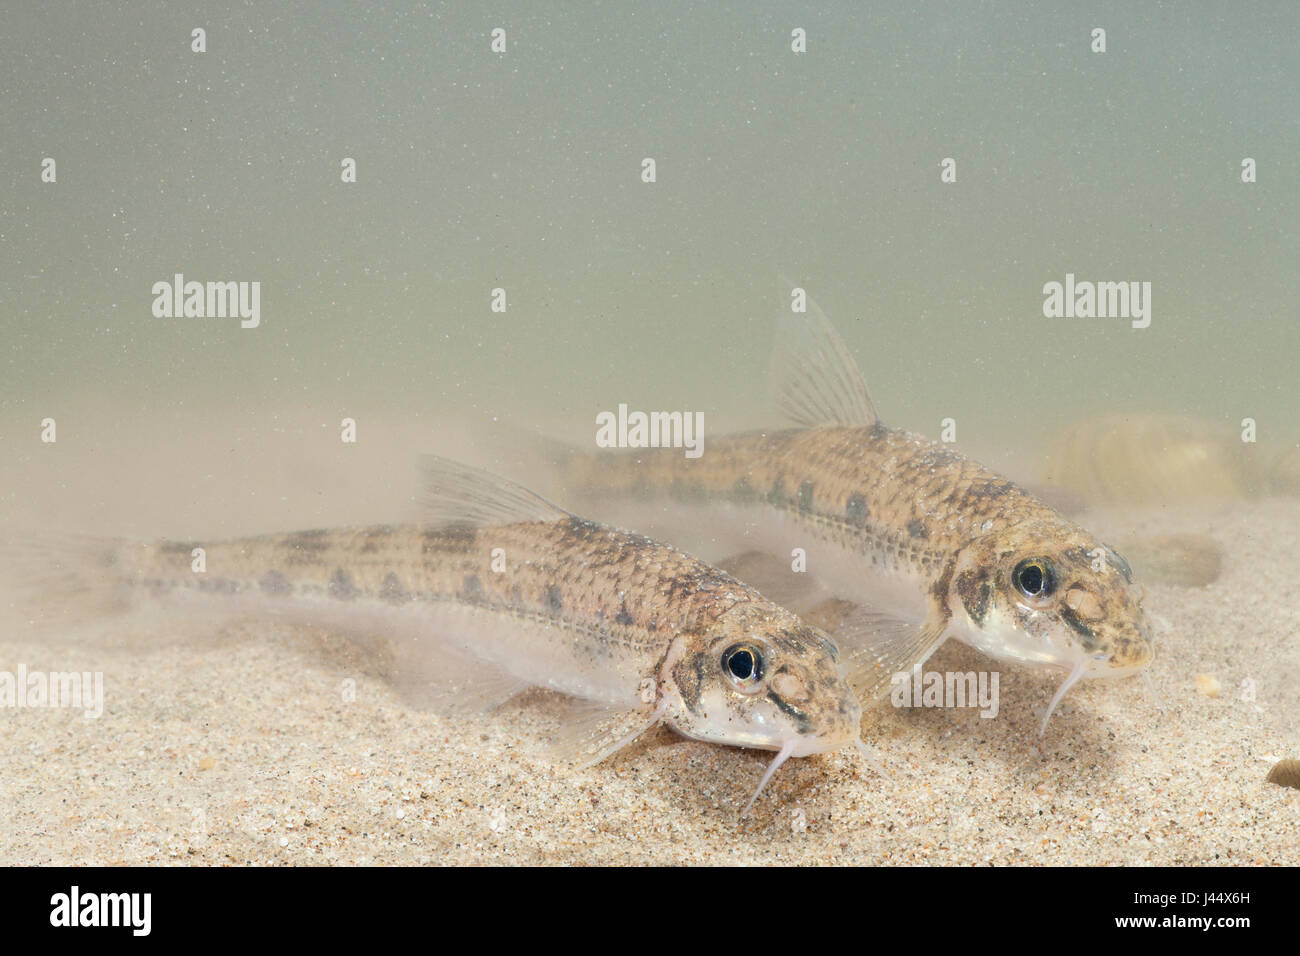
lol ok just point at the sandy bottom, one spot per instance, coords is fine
(240, 745)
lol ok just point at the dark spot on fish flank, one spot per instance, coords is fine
(801, 723)
(939, 456)
(305, 545)
(855, 512)
(176, 547)
(374, 536)
(1072, 620)
(975, 594)
(743, 491)
(878, 432)
(471, 588)
(516, 595)
(989, 490)
(341, 587)
(392, 590)
(275, 583)
(776, 496)
(623, 617)
(688, 492)
(916, 528)
(458, 536)
(579, 531)
(940, 589)
(638, 486)
(217, 585)
(806, 496)
(554, 600)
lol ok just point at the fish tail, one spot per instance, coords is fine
(54, 581)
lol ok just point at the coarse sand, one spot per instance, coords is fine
(266, 743)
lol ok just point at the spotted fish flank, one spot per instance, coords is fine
(274, 582)
(583, 609)
(930, 544)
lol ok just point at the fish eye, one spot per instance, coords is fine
(1033, 578)
(743, 665)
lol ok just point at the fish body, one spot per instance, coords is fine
(931, 544)
(502, 591)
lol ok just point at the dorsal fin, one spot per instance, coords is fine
(817, 381)
(452, 493)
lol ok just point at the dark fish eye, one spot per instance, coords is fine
(1033, 578)
(743, 665)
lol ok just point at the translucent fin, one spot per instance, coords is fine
(772, 576)
(817, 382)
(455, 493)
(449, 681)
(874, 647)
(829, 615)
(51, 581)
(592, 731)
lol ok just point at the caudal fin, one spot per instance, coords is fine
(55, 582)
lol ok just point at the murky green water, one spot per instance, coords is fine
(522, 170)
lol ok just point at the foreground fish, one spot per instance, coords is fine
(502, 591)
(930, 544)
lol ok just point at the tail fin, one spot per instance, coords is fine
(53, 582)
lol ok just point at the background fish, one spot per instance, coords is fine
(930, 544)
(501, 591)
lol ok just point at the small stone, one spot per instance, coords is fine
(1208, 685)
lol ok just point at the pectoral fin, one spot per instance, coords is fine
(448, 681)
(592, 732)
(875, 646)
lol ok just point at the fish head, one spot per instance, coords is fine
(1047, 592)
(758, 676)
